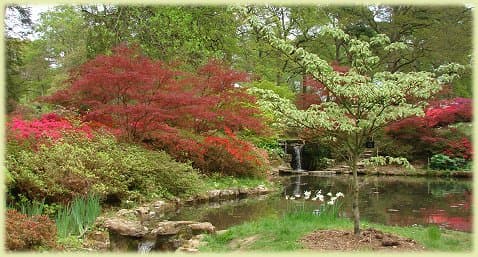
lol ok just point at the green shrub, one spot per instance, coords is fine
(444, 162)
(269, 143)
(282, 90)
(29, 233)
(77, 166)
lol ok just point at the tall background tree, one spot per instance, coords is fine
(363, 99)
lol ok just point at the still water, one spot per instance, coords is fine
(390, 200)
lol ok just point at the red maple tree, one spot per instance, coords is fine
(129, 91)
(151, 102)
(431, 133)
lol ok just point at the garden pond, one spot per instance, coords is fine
(389, 200)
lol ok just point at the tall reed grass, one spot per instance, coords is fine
(77, 217)
(32, 208)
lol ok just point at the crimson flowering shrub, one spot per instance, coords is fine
(431, 134)
(29, 233)
(150, 102)
(230, 155)
(459, 149)
(49, 127)
(449, 111)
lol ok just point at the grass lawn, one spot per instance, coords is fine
(281, 233)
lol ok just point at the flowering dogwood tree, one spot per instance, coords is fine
(362, 100)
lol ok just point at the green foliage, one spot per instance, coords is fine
(59, 37)
(433, 232)
(387, 160)
(268, 143)
(281, 233)
(114, 171)
(8, 177)
(217, 181)
(76, 218)
(444, 162)
(282, 90)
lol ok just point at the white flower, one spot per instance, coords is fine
(339, 194)
(329, 194)
(287, 197)
(321, 198)
(307, 195)
(314, 198)
(333, 198)
(330, 202)
(292, 198)
(297, 196)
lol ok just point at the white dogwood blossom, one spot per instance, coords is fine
(363, 99)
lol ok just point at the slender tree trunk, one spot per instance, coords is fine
(355, 203)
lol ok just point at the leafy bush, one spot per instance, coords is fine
(441, 130)
(49, 127)
(268, 143)
(444, 162)
(29, 233)
(75, 166)
(282, 90)
(232, 156)
(142, 97)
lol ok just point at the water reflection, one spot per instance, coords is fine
(403, 201)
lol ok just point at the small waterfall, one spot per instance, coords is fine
(145, 246)
(298, 161)
(297, 183)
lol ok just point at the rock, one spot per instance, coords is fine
(229, 192)
(213, 194)
(170, 227)
(125, 213)
(187, 250)
(125, 227)
(142, 213)
(244, 191)
(162, 207)
(159, 204)
(202, 227)
(97, 240)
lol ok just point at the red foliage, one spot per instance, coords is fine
(316, 92)
(29, 233)
(233, 156)
(423, 132)
(444, 112)
(181, 147)
(48, 127)
(241, 150)
(459, 149)
(142, 97)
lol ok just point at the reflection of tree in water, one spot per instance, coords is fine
(388, 200)
(401, 200)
